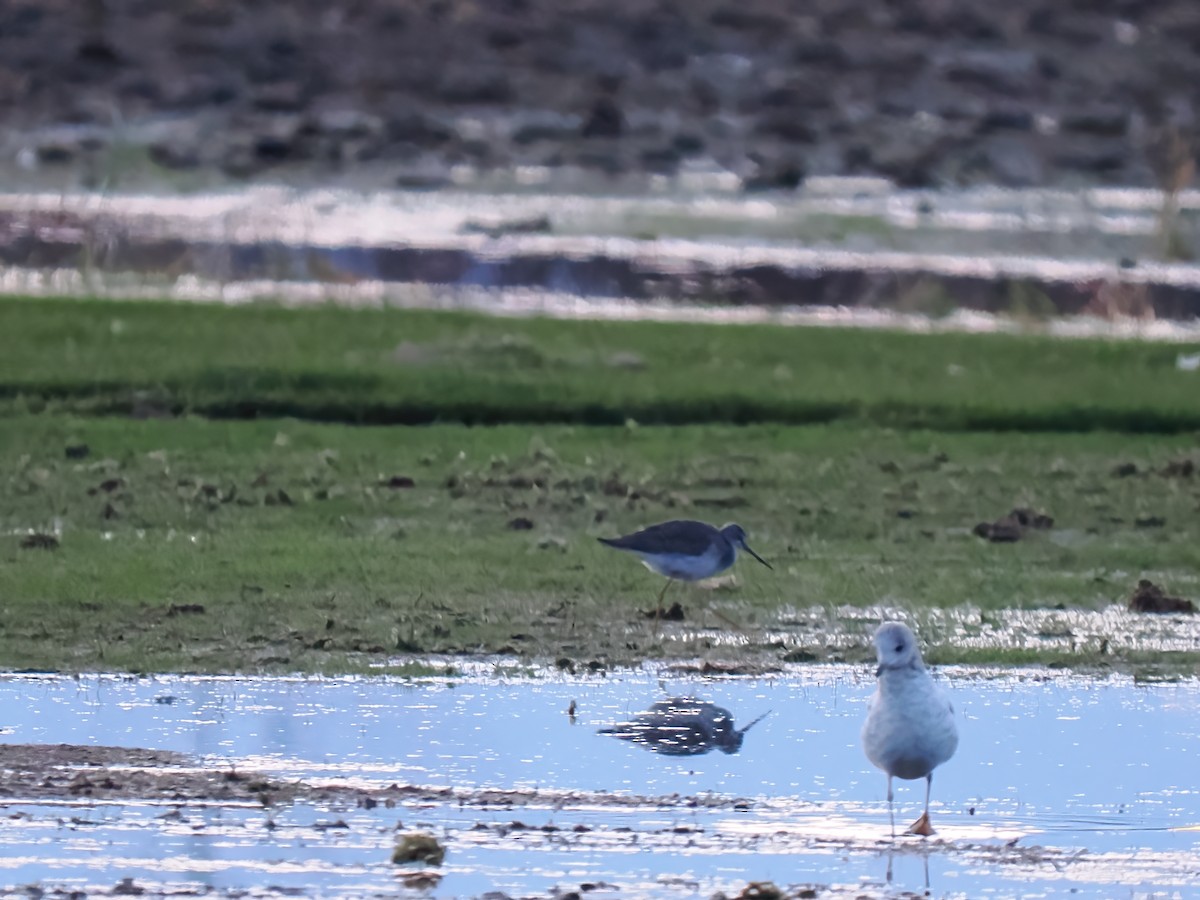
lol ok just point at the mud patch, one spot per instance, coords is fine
(1150, 598)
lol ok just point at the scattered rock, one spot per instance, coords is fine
(185, 609)
(550, 542)
(674, 613)
(605, 120)
(39, 541)
(397, 482)
(107, 486)
(418, 847)
(760, 890)
(1149, 522)
(1028, 518)
(1150, 598)
(1011, 527)
(127, 887)
(471, 85)
(1002, 531)
(520, 523)
(77, 451)
(730, 502)
(1178, 468)
(1124, 470)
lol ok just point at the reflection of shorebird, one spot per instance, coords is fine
(685, 550)
(683, 726)
(910, 728)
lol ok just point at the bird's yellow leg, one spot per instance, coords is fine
(658, 610)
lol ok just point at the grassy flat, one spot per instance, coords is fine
(281, 545)
(417, 367)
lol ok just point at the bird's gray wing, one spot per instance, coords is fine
(676, 536)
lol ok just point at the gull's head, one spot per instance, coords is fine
(896, 647)
(736, 535)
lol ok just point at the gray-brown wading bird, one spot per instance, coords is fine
(685, 550)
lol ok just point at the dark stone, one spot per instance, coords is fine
(998, 532)
(174, 155)
(281, 96)
(271, 148)
(786, 125)
(1011, 527)
(57, 153)
(98, 52)
(478, 87)
(661, 160)
(1102, 121)
(1148, 597)
(1092, 155)
(39, 541)
(417, 129)
(778, 175)
(605, 120)
(1006, 118)
(397, 482)
(688, 144)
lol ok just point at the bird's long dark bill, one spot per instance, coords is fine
(755, 722)
(759, 558)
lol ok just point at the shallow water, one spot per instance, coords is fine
(1094, 779)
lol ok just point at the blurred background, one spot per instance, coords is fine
(706, 152)
(763, 93)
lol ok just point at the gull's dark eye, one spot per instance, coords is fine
(899, 647)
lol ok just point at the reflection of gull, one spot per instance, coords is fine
(683, 726)
(910, 728)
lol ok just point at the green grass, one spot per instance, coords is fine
(418, 367)
(191, 544)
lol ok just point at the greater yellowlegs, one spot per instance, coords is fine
(910, 728)
(685, 550)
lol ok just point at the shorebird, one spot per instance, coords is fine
(685, 550)
(910, 728)
(683, 726)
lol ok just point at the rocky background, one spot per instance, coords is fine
(925, 92)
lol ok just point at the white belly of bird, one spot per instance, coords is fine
(910, 731)
(682, 567)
